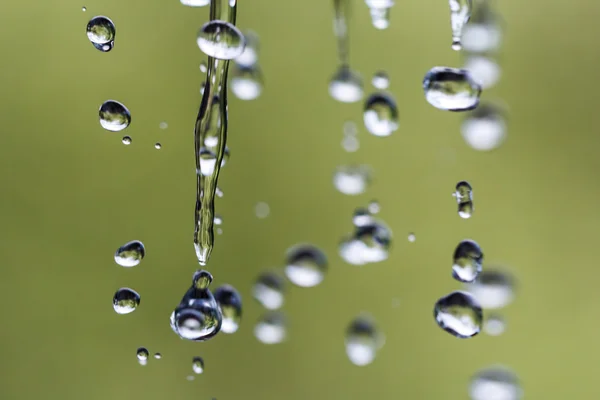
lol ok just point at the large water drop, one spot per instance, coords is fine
(495, 383)
(221, 40)
(306, 265)
(380, 114)
(468, 259)
(101, 32)
(230, 304)
(268, 290)
(460, 12)
(130, 254)
(271, 328)
(451, 89)
(114, 116)
(362, 341)
(126, 301)
(459, 314)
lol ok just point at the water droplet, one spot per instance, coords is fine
(203, 67)
(381, 80)
(484, 70)
(114, 116)
(459, 314)
(101, 32)
(350, 143)
(412, 237)
(451, 89)
(157, 356)
(158, 146)
(262, 210)
(249, 56)
(246, 82)
(464, 198)
(197, 317)
(380, 12)
(163, 125)
(494, 325)
(84, 9)
(362, 341)
(346, 85)
(220, 39)
(381, 114)
(269, 290)
(198, 365)
(230, 304)
(483, 33)
(495, 383)
(271, 328)
(352, 179)
(126, 301)
(142, 355)
(374, 207)
(306, 265)
(362, 217)
(126, 140)
(493, 289)
(130, 254)
(468, 258)
(460, 12)
(195, 3)
(485, 128)
(350, 128)
(370, 243)
(190, 378)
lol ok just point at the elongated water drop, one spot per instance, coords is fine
(460, 12)
(484, 70)
(362, 341)
(195, 3)
(221, 40)
(230, 304)
(249, 56)
(346, 85)
(246, 82)
(114, 116)
(197, 317)
(268, 290)
(464, 197)
(494, 325)
(483, 33)
(101, 32)
(142, 354)
(451, 89)
(130, 254)
(306, 265)
(271, 328)
(198, 365)
(352, 179)
(493, 288)
(459, 314)
(380, 12)
(484, 129)
(495, 383)
(126, 301)
(381, 114)
(468, 258)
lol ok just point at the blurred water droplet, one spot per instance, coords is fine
(346, 85)
(484, 129)
(412, 237)
(271, 328)
(493, 289)
(130, 254)
(203, 67)
(350, 143)
(374, 207)
(246, 82)
(350, 128)
(84, 9)
(495, 383)
(362, 341)
(190, 378)
(262, 210)
(249, 56)
(381, 80)
(114, 116)
(268, 290)
(381, 114)
(306, 265)
(395, 302)
(195, 3)
(451, 89)
(126, 301)
(464, 197)
(460, 12)
(483, 33)
(157, 356)
(352, 179)
(484, 70)
(218, 220)
(142, 355)
(158, 146)
(220, 39)
(126, 140)
(198, 365)
(362, 217)
(101, 32)
(197, 317)
(459, 314)
(380, 12)
(230, 304)
(468, 259)
(370, 243)
(163, 125)
(495, 325)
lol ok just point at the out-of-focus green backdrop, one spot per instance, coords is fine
(72, 193)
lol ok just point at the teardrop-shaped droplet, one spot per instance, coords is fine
(230, 304)
(370, 243)
(195, 3)
(484, 70)
(101, 32)
(114, 116)
(493, 288)
(249, 56)
(380, 12)
(468, 259)
(220, 39)
(268, 290)
(306, 265)
(495, 383)
(483, 33)
(197, 317)
(352, 179)
(126, 140)
(271, 328)
(126, 301)
(381, 80)
(346, 85)
(198, 365)
(494, 325)
(362, 341)
(130, 254)
(460, 12)
(484, 129)
(142, 354)
(459, 314)
(246, 82)
(451, 89)
(381, 114)
(464, 197)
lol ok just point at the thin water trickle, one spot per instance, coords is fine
(460, 12)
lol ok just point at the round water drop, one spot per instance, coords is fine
(198, 365)
(374, 207)
(346, 85)
(157, 356)
(126, 140)
(246, 82)
(412, 237)
(380, 12)
(350, 143)
(369, 244)
(130, 254)
(459, 314)
(362, 341)
(380, 114)
(451, 89)
(230, 304)
(460, 12)
(484, 70)
(495, 383)
(101, 32)
(306, 265)
(158, 146)
(163, 125)
(262, 210)
(84, 9)
(464, 197)
(142, 355)
(494, 325)
(468, 258)
(352, 179)
(220, 39)
(203, 67)
(268, 290)
(485, 128)
(483, 33)
(493, 289)
(362, 217)
(271, 328)
(249, 57)
(381, 80)
(126, 301)
(350, 128)
(114, 116)
(195, 3)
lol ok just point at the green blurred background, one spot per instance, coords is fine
(72, 193)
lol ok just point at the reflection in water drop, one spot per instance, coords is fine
(271, 328)
(305, 265)
(195, 3)
(262, 210)
(362, 341)
(142, 355)
(464, 197)
(370, 243)
(346, 85)
(157, 146)
(352, 179)
(114, 116)
(246, 82)
(130, 254)
(482, 34)
(126, 140)
(495, 383)
(198, 365)
(268, 290)
(459, 314)
(101, 32)
(468, 258)
(126, 301)
(460, 12)
(495, 325)
(493, 289)
(485, 128)
(380, 12)
(221, 40)
(381, 80)
(157, 356)
(451, 89)
(230, 304)
(484, 70)
(381, 114)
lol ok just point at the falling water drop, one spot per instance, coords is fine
(362, 217)
(352, 179)
(350, 143)
(130, 254)
(484, 129)
(464, 197)
(163, 125)
(362, 341)
(374, 207)
(114, 116)
(195, 3)
(262, 210)
(126, 140)
(221, 40)
(84, 9)
(381, 114)
(468, 259)
(381, 80)
(246, 82)
(142, 354)
(380, 12)
(346, 85)
(230, 304)
(493, 288)
(459, 314)
(271, 328)
(157, 356)
(495, 383)
(370, 243)
(494, 325)
(484, 70)
(126, 301)
(198, 365)
(268, 290)
(249, 56)
(101, 32)
(157, 146)
(412, 237)
(306, 265)
(460, 12)
(483, 34)
(451, 89)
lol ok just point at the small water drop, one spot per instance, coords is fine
(84, 9)
(484, 70)
(483, 34)
(370, 243)
(306, 265)
(352, 179)
(163, 125)
(412, 237)
(459, 314)
(494, 289)
(464, 197)
(495, 383)
(101, 32)
(249, 57)
(157, 146)
(346, 85)
(126, 301)
(246, 82)
(271, 328)
(190, 378)
(114, 116)
(203, 67)
(362, 217)
(126, 140)
(350, 143)
(451, 89)
(268, 290)
(195, 3)
(142, 355)
(350, 128)
(262, 210)
(468, 258)
(380, 12)
(198, 365)
(157, 356)
(380, 114)
(460, 12)
(220, 39)
(130, 254)
(374, 207)
(381, 80)
(362, 341)
(495, 325)
(230, 304)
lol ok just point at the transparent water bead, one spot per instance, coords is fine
(126, 301)
(195, 3)
(306, 265)
(114, 116)
(271, 328)
(352, 180)
(380, 12)
(84, 9)
(198, 365)
(381, 80)
(468, 259)
(484, 70)
(101, 32)
(493, 288)
(464, 197)
(494, 325)
(130, 254)
(220, 39)
(460, 12)
(362, 341)
(142, 354)
(268, 290)
(412, 237)
(197, 317)
(484, 129)
(451, 89)
(459, 314)
(157, 356)
(157, 146)
(370, 243)
(374, 207)
(262, 210)
(346, 85)
(483, 33)
(126, 140)
(495, 383)
(230, 304)
(246, 82)
(249, 56)
(380, 114)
